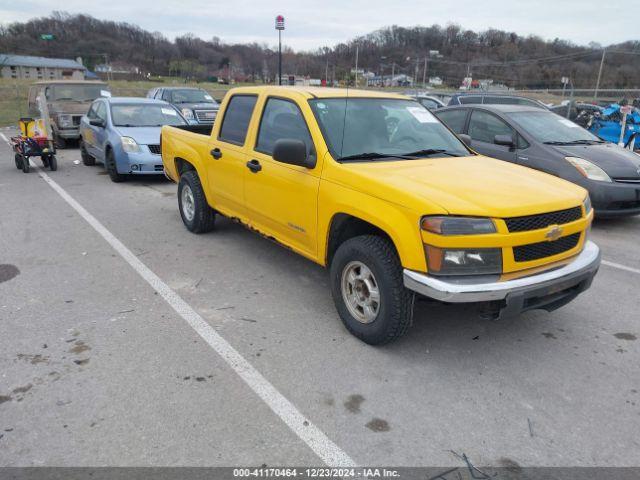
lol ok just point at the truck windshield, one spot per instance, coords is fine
(78, 92)
(550, 128)
(370, 129)
(191, 96)
(145, 116)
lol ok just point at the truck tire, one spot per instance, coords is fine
(368, 290)
(196, 213)
(87, 159)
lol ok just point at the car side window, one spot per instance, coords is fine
(470, 99)
(282, 119)
(454, 119)
(166, 95)
(236, 119)
(428, 103)
(91, 114)
(484, 126)
(101, 112)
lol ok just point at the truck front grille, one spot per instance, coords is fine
(543, 220)
(536, 251)
(205, 116)
(155, 149)
(76, 120)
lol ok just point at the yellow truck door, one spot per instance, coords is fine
(281, 199)
(226, 156)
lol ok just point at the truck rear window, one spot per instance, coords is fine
(236, 119)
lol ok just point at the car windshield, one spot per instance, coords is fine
(191, 96)
(382, 128)
(78, 92)
(548, 127)
(145, 115)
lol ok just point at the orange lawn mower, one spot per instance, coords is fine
(32, 143)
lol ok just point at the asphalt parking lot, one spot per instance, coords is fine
(97, 368)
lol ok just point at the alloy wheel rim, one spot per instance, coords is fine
(360, 292)
(188, 203)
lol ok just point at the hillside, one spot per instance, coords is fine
(521, 62)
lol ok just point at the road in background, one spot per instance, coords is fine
(97, 369)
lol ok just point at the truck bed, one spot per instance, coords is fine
(198, 128)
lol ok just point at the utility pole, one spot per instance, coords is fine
(595, 93)
(326, 71)
(424, 73)
(356, 79)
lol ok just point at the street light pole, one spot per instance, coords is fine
(280, 28)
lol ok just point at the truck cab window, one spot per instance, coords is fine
(236, 119)
(282, 119)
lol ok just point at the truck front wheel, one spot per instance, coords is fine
(367, 288)
(196, 213)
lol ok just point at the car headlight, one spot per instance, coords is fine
(444, 225)
(588, 169)
(129, 145)
(187, 113)
(458, 261)
(65, 121)
(587, 205)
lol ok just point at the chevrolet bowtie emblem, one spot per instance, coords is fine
(554, 233)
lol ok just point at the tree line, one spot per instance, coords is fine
(506, 57)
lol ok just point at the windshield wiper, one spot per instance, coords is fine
(430, 151)
(372, 156)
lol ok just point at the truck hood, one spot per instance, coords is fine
(616, 161)
(476, 186)
(142, 135)
(197, 106)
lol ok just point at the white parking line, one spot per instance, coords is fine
(328, 451)
(5, 138)
(621, 267)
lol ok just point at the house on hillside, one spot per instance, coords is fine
(40, 68)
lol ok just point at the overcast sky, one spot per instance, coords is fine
(312, 24)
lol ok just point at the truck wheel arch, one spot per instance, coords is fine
(183, 166)
(345, 226)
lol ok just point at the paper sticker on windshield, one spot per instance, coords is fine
(169, 111)
(569, 123)
(422, 115)
(208, 97)
(105, 93)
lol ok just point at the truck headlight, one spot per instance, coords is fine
(187, 113)
(129, 145)
(65, 121)
(457, 261)
(444, 225)
(588, 169)
(587, 205)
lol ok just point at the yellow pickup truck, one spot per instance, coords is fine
(377, 189)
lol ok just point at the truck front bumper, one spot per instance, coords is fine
(547, 290)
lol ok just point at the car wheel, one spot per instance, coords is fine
(196, 213)
(112, 170)
(368, 290)
(59, 142)
(87, 159)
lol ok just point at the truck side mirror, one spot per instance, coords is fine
(292, 152)
(466, 139)
(506, 140)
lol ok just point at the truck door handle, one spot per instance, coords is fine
(216, 153)
(254, 166)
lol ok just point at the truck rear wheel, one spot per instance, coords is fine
(196, 213)
(368, 291)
